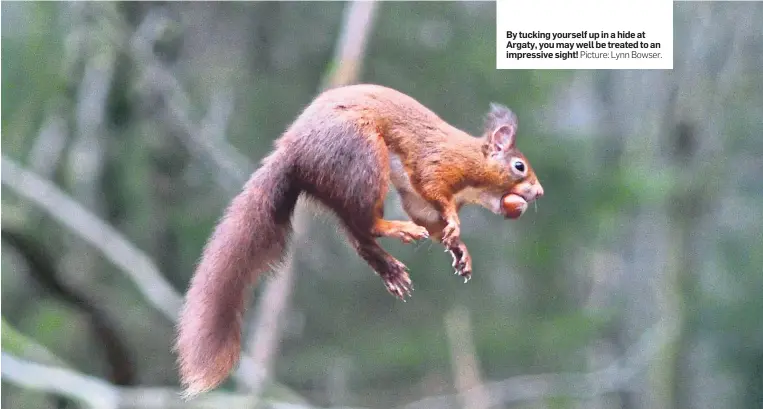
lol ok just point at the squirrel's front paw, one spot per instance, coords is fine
(410, 231)
(406, 231)
(462, 262)
(450, 234)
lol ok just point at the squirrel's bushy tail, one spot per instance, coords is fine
(249, 239)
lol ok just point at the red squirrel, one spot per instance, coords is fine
(344, 150)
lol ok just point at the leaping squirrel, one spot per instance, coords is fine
(344, 150)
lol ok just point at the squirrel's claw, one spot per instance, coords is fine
(462, 263)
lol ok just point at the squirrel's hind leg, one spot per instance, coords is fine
(391, 270)
(352, 179)
(364, 223)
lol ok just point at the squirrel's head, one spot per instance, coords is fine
(500, 150)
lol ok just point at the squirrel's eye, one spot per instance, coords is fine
(519, 165)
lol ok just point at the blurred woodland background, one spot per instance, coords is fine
(127, 128)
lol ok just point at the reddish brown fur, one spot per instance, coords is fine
(251, 236)
(338, 152)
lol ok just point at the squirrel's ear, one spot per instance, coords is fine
(503, 138)
(501, 128)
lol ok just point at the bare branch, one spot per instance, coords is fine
(357, 23)
(235, 167)
(466, 369)
(114, 246)
(97, 393)
(46, 151)
(215, 124)
(86, 154)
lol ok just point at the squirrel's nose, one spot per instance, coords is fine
(538, 191)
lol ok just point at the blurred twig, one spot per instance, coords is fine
(466, 369)
(207, 142)
(46, 151)
(42, 269)
(96, 393)
(112, 244)
(357, 23)
(86, 154)
(95, 60)
(215, 124)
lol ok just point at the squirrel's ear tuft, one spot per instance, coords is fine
(498, 116)
(501, 128)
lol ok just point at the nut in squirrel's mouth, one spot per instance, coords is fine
(513, 205)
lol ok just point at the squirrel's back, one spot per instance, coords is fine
(392, 112)
(382, 119)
